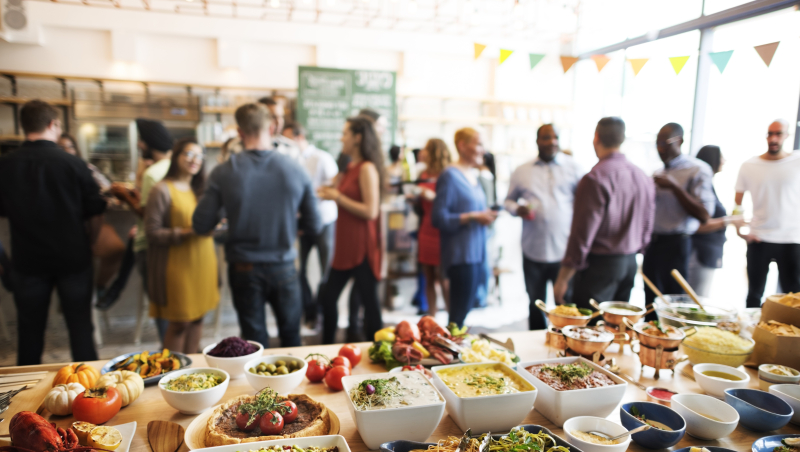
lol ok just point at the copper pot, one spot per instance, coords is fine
(560, 321)
(555, 338)
(614, 318)
(659, 357)
(588, 347)
(654, 341)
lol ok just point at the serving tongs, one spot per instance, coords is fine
(485, 443)
(508, 344)
(464, 444)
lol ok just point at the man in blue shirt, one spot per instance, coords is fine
(542, 192)
(684, 200)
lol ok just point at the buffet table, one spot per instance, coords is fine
(529, 346)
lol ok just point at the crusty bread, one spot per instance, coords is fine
(215, 437)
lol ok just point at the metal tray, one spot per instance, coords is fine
(185, 362)
(408, 446)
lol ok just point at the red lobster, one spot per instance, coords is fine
(31, 432)
(424, 332)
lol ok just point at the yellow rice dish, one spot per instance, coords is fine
(569, 311)
(712, 345)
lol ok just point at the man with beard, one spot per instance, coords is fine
(542, 192)
(773, 180)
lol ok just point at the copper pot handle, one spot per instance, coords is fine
(650, 309)
(689, 330)
(540, 304)
(625, 335)
(595, 314)
(628, 322)
(594, 304)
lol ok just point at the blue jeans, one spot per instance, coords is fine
(252, 286)
(464, 282)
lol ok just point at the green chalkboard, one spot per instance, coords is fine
(326, 97)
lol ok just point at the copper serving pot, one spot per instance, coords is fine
(588, 347)
(654, 341)
(560, 321)
(614, 318)
(660, 359)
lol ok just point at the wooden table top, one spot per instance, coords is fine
(529, 346)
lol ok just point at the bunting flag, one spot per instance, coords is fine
(479, 48)
(504, 54)
(678, 63)
(535, 59)
(767, 51)
(600, 61)
(720, 59)
(637, 64)
(567, 62)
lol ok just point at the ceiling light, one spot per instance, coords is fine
(331, 2)
(275, 3)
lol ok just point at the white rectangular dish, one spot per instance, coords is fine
(412, 423)
(309, 441)
(488, 413)
(558, 406)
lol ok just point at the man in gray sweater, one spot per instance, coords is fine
(266, 196)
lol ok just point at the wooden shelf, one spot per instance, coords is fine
(23, 100)
(218, 110)
(485, 120)
(213, 144)
(12, 138)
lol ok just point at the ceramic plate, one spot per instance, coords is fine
(127, 431)
(767, 443)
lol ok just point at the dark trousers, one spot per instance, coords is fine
(537, 274)
(607, 278)
(32, 298)
(464, 282)
(665, 253)
(141, 264)
(367, 287)
(324, 244)
(759, 255)
(252, 286)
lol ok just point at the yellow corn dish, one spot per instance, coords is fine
(482, 380)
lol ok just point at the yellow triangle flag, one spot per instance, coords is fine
(678, 63)
(479, 48)
(637, 64)
(600, 61)
(504, 54)
(767, 51)
(567, 62)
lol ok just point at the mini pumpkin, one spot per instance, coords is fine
(129, 384)
(81, 373)
(59, 400)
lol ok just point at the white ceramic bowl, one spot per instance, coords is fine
(283, 384)
(194, 402)
(328, 441)
(234, 366)
(558, 406)
(411, 423)
(767, 379)
(790, 394)
(691, 405)
(597, 424)
(716, 387)
(490, 413)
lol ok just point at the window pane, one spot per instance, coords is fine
(715, 6)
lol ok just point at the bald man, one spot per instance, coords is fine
(773, 180)
(684, 200)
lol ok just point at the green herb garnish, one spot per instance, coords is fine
(569, 372)
(266, 400)
(385, 391)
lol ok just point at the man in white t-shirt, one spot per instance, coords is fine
(773, 180)
(323, 169)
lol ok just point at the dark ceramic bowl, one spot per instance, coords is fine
(759, 410)
(653, 438)
(710, 448)
(768, 443)
(408, 446)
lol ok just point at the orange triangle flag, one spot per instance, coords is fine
(479, 48)
(767, 51)
(637, 64)
(600, 61)
(567, 62)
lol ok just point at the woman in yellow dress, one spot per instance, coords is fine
(181, 265)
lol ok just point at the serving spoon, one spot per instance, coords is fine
(629, 432)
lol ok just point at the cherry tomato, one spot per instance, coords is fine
(243, 418)
(96, 406)
(291, 414)
(333, 379)
(351, 352)
(271, 423)
(316, 370)
(341, 361)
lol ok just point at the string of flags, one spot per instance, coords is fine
(719, 59)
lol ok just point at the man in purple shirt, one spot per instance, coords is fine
(612, 221)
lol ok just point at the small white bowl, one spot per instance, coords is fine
(691, 405)
(489, 413)
(716, 387)
(283, 384)
(231, 365)
(767, 379)
(194, 402)
(597, 424)
(411, 423)
(790, 394)
(327, 441)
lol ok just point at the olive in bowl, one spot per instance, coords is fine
(280, 372)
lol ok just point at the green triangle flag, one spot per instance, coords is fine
(678, 63)
(535, 59)
(504, 54)
(720, 59)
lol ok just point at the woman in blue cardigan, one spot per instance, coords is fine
(460, 214)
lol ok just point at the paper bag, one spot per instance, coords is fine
(772, 310)
(773, 349)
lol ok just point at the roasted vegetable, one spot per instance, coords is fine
(147, 365)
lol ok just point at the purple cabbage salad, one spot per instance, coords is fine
(231, 347)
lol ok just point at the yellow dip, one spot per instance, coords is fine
(592, 438)
(482, 380)
(721, 375)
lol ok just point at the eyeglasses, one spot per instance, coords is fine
(191, 155)
(775, 134)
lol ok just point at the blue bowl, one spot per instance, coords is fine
(768, 443)
(759, 410)
(653, 438)
(711, 448)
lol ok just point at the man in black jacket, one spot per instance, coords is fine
(55, 212)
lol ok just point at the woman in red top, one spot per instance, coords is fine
(357, 252)
(436, 157)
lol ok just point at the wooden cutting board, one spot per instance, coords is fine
(30, 399)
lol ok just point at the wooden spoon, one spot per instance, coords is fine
(165, 436)
(654, 288)
(686, 287)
